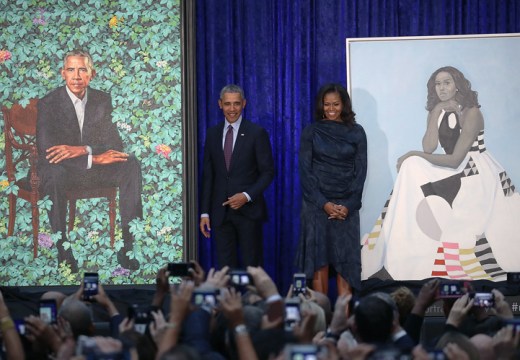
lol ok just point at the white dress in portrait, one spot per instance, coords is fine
(459, 223)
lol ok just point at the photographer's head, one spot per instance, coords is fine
(78, 315)
(54, 295)
(373, 320)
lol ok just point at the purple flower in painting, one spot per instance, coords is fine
(119, 271)
(40, 20)
(44, 240)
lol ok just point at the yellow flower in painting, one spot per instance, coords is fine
(114, 21)
(4, 184)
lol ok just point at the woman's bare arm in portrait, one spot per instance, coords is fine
(431, 136)
(472, 123)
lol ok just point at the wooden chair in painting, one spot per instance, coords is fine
(22, 154)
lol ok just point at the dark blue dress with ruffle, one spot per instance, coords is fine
(332, 165)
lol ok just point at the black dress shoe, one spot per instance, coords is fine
(125, 261)
(65, 256)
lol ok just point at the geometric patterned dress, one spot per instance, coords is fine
(459, 223)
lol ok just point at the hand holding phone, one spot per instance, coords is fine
(304, 352)
(240, 278)
(205, 297)
(292, 314)
(299, 284)
(142, 316)
(90, 285)
(180, 269)
(483, 300)
(449, 290)
(48, 311)
(20, 326)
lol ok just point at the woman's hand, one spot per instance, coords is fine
(448, 106)
(335, 211)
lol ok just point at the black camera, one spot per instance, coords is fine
(513, 278)
(180, 269)
(142, 316)
(139, 313)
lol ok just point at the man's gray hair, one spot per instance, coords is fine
(232, 88)
(82, 53)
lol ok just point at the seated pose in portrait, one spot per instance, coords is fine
(79, 146)
(332, 165)
(452, 214)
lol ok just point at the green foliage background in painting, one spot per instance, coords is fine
(136, 48)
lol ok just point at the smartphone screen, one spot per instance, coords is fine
(303, 352)
(205, 298)
(90, 285)
(513, 324)
(450, 290)
(20, 326)
(513, 278)
(48, 311)
(142, 316)
(485, 300)
(292, 315)
(240, 278)
(299, 283)
(180, 269)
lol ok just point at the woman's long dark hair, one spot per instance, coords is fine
(347, 115)
(464, 96)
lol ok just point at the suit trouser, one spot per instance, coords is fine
(56, 179)
(238, 231)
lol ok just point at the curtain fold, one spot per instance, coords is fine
(281, 52)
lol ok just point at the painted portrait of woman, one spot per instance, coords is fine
(453, 211)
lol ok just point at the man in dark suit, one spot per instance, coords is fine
(236, 173)
(79, 146)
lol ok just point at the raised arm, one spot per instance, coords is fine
(430, 139)
(11, 339)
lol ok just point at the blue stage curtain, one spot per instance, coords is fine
(281, 52)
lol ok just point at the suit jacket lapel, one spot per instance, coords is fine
(219, 151)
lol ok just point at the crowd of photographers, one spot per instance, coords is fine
(242, 315)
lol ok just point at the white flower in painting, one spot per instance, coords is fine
(161, 63)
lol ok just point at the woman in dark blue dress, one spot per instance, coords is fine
(332, 164)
